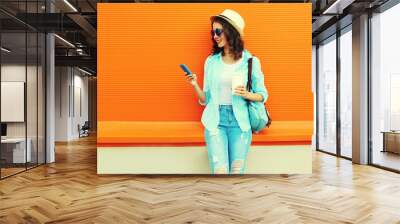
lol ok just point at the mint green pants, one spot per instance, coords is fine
(229, 146)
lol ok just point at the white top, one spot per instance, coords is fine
(225, 95)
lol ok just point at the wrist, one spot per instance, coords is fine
(195, 84)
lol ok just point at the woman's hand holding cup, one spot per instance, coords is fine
(237, 85)
(241, 91)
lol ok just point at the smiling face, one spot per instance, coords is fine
(221, 39)
(226, 39)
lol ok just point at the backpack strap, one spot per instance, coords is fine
(249, 69)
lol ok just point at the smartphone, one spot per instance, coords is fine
(185, 69)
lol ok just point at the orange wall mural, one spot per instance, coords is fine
(141, 45)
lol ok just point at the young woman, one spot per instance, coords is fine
(227, 128)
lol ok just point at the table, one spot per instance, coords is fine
(391, 141)
(17, 150)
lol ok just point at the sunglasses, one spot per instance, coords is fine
(217, 31)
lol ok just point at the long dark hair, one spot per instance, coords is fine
(235, 42)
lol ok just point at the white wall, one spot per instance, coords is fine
(80, 83)
(16, 73)
(12, 101)
(71, 93)
(13, 72)
(33, 127)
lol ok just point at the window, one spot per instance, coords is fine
(327, 95)
(385, 88)
(23, 87)
(346, 92)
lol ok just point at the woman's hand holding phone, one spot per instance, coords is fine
(192, 79)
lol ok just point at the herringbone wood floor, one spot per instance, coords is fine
(70, 191)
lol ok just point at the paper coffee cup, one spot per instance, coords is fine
(237, 80)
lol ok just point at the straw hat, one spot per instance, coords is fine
(233, 18)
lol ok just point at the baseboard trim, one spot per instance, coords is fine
(280, 159)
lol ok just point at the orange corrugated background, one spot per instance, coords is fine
(141, 45)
